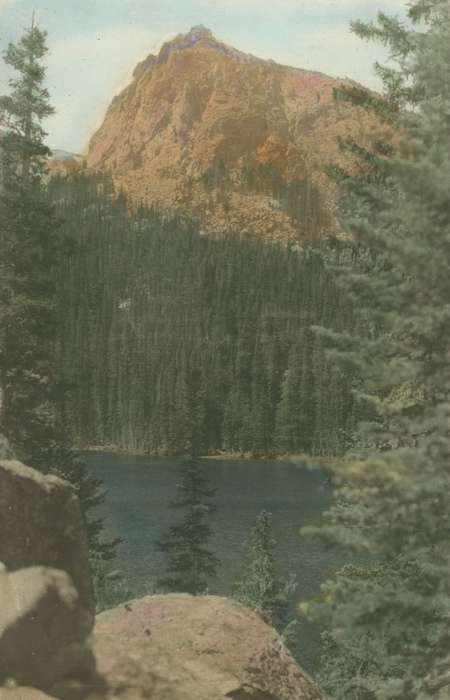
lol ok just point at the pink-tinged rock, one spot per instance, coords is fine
(179, 647)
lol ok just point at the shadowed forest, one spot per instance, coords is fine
(147, 301)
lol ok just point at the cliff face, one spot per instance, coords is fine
(237, 141)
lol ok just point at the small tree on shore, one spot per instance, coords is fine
(259, 586)
(190, 564)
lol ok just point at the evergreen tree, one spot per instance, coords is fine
(190, 564)
(288, 436)
(29, 249)
(33, 393)
(387, 621)
(66, 462)
(192, 413)
(259, 586)
(146, 299)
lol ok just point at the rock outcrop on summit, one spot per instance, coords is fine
(239, 142)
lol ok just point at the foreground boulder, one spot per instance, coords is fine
(40, 525)
(179, 647)
(19, 693)
(43, 628)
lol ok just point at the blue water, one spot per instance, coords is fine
(140, 488)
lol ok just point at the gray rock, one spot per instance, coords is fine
(40, 525)
(43, 628)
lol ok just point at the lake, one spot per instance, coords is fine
(140, 488)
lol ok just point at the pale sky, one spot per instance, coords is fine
(95, 44)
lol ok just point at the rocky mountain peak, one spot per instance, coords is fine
(198, 33)
(238, 142)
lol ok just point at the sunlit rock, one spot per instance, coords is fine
(179, 647)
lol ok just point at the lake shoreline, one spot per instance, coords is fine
(216, 456)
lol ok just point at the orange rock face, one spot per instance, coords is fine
(208, 131)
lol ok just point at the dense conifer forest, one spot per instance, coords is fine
(146, 299)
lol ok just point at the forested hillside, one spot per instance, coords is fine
(146, 302)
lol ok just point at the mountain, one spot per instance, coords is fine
(239, 142)
(58, 154)
(64, 162)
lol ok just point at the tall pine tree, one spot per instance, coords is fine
(387, 621)
(32, 391)
(29, 251)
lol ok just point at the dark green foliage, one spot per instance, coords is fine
(387, 620)
(147, 298)
(259, 586)
(190, 564)
(29, 252)
(32, 247)
(192, 418)
(296, 413)
(65, 461)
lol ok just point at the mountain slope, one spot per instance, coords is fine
(239, 142)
